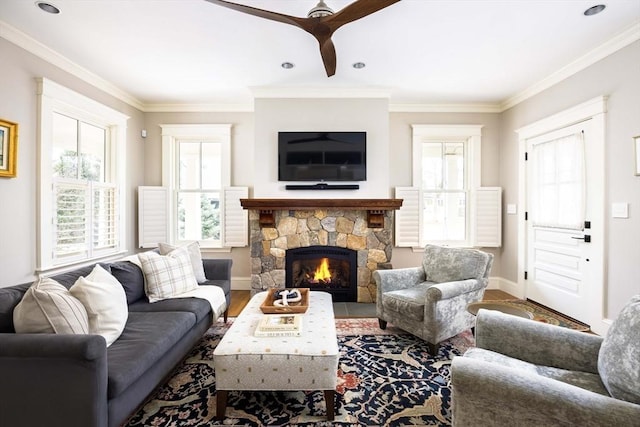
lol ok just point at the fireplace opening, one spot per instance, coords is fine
(323, 268)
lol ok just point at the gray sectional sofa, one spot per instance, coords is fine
(76, 380)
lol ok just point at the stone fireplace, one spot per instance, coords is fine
(323, 268)
(281, 226)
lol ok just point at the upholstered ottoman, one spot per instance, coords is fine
(243, 361)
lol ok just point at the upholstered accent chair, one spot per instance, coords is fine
(431, 301)
(527, 373)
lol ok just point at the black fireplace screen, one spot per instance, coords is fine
(325, 268)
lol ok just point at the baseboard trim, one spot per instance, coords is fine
(241, 283)
(506, 286)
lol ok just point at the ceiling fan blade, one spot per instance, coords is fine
(356, 10)
(328, 53)
(266, 14)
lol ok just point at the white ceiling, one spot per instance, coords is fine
(420, 52)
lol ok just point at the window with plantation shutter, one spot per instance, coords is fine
(446, 204)
(82, 170)
(196, 172)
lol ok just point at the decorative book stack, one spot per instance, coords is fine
(280, 325)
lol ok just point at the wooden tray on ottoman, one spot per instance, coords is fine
(267, 306)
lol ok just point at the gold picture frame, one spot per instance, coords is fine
(8, 148)
(636, 140)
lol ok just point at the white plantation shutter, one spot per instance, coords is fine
(236, 219)
(408, 217)
(86, 220)
(153, 216)
(70, 228)
(153, 220)
(488, 217)
(105, 216)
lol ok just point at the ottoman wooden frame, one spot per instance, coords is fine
(243, 361)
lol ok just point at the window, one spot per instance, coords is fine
(80, 181)
(444, 191)
(438, 207)
(196, 172)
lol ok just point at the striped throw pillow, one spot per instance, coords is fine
(48, 307)
(167, 276)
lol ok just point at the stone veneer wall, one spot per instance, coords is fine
(331, 227)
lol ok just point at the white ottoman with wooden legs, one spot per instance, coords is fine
(243, 361)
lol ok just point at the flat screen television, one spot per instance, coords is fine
(322, 156)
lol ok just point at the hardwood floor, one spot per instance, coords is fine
(240, 298)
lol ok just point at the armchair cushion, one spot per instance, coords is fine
(586, 380)
(409, 301)
(444, 264)
(619, 357)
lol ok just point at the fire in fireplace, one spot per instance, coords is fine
(327, 268)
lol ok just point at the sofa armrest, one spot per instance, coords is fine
(217, 269)
(398, 278)
(555, 346)
(448, 290)
(485, 394)
(65, 374)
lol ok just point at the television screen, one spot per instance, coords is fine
(322, 156)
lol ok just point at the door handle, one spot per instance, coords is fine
(586, 238)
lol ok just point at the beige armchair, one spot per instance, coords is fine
(431, 301)
(527, 373)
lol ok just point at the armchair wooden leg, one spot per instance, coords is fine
(382, 323)
(433, 348)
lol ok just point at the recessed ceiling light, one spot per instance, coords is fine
(359, 65)
(48, 7)
(287, 65)
(594, 10)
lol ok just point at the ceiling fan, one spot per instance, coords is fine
(321, 22)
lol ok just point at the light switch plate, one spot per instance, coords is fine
(512, 209)
(620, 210)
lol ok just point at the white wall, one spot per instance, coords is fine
(18, 103)
(618, 77)
(273, 115)
(242, 164)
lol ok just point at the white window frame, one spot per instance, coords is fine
(471, 135)
(55, 98)
(171, 135)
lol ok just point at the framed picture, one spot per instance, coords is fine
(636, 142)
(8, 148)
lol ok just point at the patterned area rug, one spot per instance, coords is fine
(385, 378)
(542, 314)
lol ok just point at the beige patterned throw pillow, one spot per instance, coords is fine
(167, 276)
(194, 255)
(49, 307)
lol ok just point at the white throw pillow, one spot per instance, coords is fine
(105, 301)
(49, 307)
(167, 276)
(194, 255)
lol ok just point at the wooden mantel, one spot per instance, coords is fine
(375, 207)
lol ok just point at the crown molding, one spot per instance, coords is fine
(445, 108)
(38, 49)
(621, 40)
(319, 92)
(199, 108)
